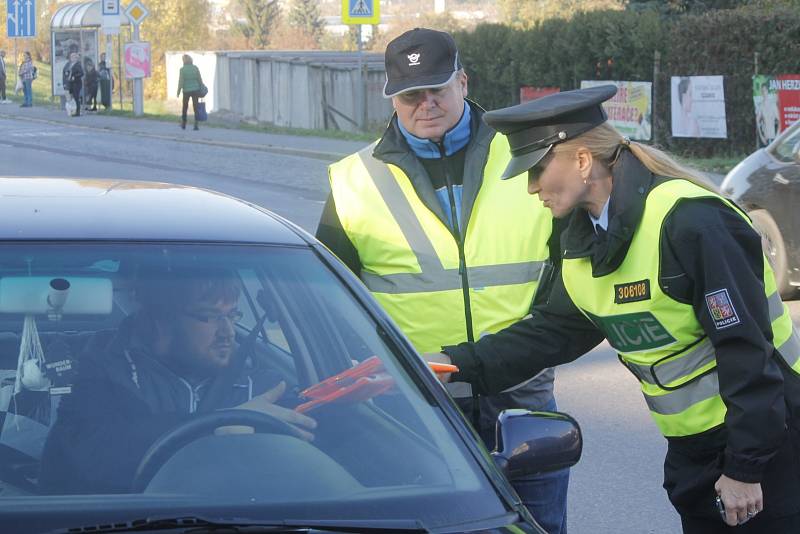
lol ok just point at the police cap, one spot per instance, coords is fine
(534, 127)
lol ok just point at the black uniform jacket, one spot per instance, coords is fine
(119, 407)
(464, 167)
(705, 246)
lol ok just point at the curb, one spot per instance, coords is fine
(286, 151)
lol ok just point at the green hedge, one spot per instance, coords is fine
(620, 45)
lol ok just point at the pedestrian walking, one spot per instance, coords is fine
(673, 275)
(106, 83)
(3, 77)
(191, 83)
(449, 250)
(91, 85)
(75, 81)
(27, 72)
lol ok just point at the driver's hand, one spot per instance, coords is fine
(265, 403)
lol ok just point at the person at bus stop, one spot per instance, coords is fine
(674, 277)
(449, 250)
(106, 82)
(27, 72)
(76, 74)
(90, 85)
(3, 77)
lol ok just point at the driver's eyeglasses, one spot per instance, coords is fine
(234, 316)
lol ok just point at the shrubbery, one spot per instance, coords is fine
(620, 45)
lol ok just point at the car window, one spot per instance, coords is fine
(113, 357)
(786, 149)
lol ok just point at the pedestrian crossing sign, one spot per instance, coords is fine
(361, 11)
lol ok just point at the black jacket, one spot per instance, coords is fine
(118, 408)
(466, 168)
(92, 81)
(704, 246)
(76, 77)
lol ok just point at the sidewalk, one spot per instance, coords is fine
(296, 145)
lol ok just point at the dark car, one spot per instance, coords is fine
(767, 185)
(390, 452)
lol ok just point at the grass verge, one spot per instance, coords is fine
(717, 164)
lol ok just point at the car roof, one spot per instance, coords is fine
(77, 209)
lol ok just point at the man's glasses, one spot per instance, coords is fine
(412, 97)
(234, 316)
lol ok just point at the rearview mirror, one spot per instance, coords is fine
(33, 295)
(529, 443)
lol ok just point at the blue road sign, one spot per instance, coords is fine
(361, 11)
(21, 18)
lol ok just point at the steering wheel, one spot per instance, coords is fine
(200, 426)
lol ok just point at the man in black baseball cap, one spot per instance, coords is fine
(422, 217)
(420, 59)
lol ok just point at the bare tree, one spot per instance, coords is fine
(305, 15)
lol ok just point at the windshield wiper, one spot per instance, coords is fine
(200, 525)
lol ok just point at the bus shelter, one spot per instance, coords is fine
(75, 28)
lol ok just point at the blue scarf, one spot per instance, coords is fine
(454, 139)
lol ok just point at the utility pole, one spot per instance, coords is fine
(653, 108)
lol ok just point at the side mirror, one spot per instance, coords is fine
(529, 443)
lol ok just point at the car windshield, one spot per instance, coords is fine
(121, 364)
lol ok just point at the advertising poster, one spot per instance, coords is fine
(137, 60)
(528, 93)
(630, 111)
(698, 107)
(777, 104)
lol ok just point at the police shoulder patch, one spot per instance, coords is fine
(721, 309)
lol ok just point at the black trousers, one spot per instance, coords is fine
(186, 96)
(2, 87)
(75, 91)
(693, 465)
(91, 96)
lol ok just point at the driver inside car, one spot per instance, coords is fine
(172, 360)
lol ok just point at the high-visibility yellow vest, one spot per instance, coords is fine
(660, 339)
(410, 259)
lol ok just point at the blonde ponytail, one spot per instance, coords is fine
(604, 141)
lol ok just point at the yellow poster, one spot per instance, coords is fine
(629, 111)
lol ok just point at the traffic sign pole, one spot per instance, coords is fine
(138, 86)
(361, 94)
(16, 65)
(136, 14)
(358, 12)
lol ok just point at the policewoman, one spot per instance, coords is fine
(673, 276)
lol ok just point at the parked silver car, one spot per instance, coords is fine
(767, 185)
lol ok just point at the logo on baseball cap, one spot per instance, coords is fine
(420, 59)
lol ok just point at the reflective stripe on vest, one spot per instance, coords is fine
(434, 277)
(659, 339)
(409, 257)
